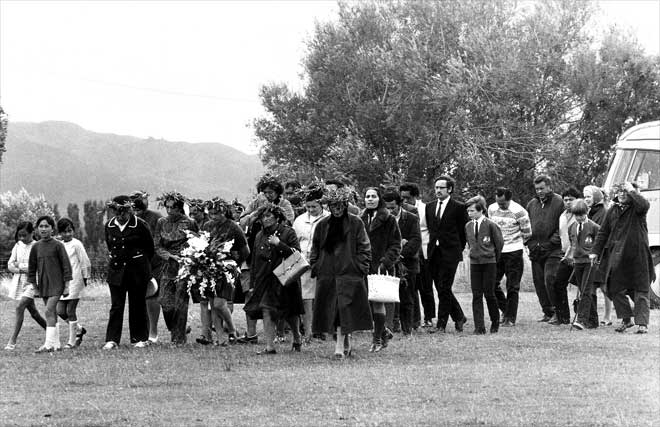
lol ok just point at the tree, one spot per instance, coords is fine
(73, 213)
(408, 90)
(3, 132)
(17, 207)
(94, 217)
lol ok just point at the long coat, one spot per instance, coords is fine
(385, 238)
(130, 250)
(341, 287)
(267, 292)
(623, 245)
(409, 227)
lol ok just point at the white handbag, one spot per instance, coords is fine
(383, 287)
(291, 268)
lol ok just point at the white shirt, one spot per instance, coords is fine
(423, 228)
(442, 204)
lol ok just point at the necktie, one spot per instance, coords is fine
(476, 228)
(438, 212)
(579, 230)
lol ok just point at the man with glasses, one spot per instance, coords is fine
(446, 219)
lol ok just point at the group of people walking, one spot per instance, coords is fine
(572, 238)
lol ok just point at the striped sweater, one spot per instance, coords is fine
(514, 223)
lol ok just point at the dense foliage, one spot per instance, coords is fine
(490, 92)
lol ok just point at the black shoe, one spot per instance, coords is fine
(545, 318)
(79, 337)
(296, 347)
(494, 329)
(624, 326)
(460, 324)
(387, 334)
(507, 323)
(319, 336)
(266, 351)
(203, 340)
(396, 327)
(554, 320)
(479, 332)
(247, 340)
(438, 330)
(188, 330)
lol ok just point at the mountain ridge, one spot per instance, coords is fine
(69, 164)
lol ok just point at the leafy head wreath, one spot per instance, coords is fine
(313, 191)
(139, 194)
(197, 204)
(179, 198)
(335, 195)
(120, 203)
(219, 204)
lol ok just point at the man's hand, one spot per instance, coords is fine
(593, 259)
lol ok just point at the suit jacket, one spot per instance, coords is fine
(130, 250)
(409, 227)
(447, 236)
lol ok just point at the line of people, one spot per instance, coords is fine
(569, 239)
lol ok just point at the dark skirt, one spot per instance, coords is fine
(281, 301)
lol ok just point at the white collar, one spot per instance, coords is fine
(114, 223)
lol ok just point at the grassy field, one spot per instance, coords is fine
(532, 374)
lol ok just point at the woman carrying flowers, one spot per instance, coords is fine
(223, 231)
(170, 238)
(269, 299)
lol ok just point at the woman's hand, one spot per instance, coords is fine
(273, 240)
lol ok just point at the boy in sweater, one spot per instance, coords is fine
(582, 234)
(485, 240)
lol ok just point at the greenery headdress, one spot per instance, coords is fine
(271, 181)
(197, 204)
(120, 203)
(313, 191)
(179, 198)
(334, 195)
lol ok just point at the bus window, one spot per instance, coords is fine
(645, 170)
(621, 166)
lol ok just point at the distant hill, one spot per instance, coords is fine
(69, 164)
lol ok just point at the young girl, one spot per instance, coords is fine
(81, 271)
(49, 270)
(486, 242)
(20, 290)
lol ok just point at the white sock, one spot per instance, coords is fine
(50, 336)
(56, 336)
(339, 346)
(73, 330)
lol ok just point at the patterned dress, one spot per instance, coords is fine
(169, 239)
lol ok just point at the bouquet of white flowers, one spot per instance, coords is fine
(205, 266)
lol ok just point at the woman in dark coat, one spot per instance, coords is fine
(385, 238)
(340, 260)
(628, 266)
(270, 300)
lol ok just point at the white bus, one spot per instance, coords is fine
(637, 159)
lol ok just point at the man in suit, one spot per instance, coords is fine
(411, 241)
(424, 282)
(446, 219)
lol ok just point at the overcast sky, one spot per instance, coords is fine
(185, 71)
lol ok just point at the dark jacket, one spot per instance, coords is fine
(447, 236)
(385, 239)
(485, 248)
(267, 292)
(597, 213)
(130, 250)
(544, 218)
(341, 278)
(622, 243)
(409, 227)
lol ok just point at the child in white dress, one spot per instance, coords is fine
(20, 290)
(81, 271)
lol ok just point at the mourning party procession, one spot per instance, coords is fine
(322, 261)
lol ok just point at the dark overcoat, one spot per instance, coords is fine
(622, 244)
(385, 238)
(267, 291)
(341, 287)
(130, 250)
(410, 231)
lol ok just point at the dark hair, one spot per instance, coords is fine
(410, 187)
(294, 184)
(392, 196)
(381, 202)
(139, 204)
(478, 201)
(543, 178)
(277, 212)
(49, 219)
(579, 207)
(336, 182)
(23, 225)
(269, 181)
(65, 223)
(503, 191)
(451, 183)
(571, 192)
